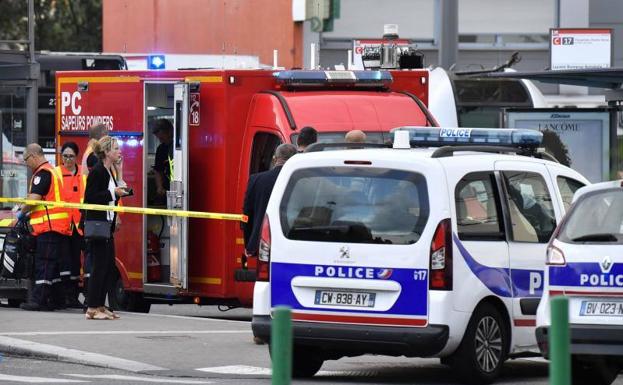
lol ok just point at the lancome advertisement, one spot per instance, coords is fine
(579, 138)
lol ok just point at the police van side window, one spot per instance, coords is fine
(530, 207)
(478, 208)
(567, 187)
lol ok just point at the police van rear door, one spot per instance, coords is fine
(177, 197)
(532, 216)
(351, 244)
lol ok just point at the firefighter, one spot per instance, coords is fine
(74, 183)
(163, 165)
(49, 225)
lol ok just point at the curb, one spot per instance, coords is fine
(26, 348)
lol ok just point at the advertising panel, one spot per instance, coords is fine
(580, 48)
(582, 136)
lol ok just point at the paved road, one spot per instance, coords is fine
(191, 344)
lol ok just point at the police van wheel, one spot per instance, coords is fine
(595, 372)
(306, 362)
(484, 348)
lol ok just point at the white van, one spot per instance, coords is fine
(585, 263)
(435, 251)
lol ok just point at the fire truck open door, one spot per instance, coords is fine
(177, 197)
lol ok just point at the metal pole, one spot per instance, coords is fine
(281, 345)
(31, 30)
(560, 358)
(32, 88)
(448, 32)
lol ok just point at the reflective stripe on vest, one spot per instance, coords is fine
(44, 219)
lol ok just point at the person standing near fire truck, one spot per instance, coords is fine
(163, 164)
(74, 183)
(50, 225)
(102, 188)
(307, 137)
(256, 198)
(89, 159)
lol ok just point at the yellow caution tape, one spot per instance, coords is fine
(130, 210)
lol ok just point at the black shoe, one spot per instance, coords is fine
(30, 306)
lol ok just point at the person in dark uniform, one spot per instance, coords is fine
(50, 225)
(163, 129)
(256, 198)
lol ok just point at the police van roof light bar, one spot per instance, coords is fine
(498, 137)
(302, 78)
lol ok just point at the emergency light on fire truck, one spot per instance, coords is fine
(301, 78)
(156, 62)
(434, 137)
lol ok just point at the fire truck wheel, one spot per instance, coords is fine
(121, 299)
(14, 302)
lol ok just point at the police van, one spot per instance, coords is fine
(585, 263)
(432, 248)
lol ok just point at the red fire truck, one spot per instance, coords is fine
(227, 124)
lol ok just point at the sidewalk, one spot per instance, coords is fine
(144, 343)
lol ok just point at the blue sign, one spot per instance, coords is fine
(413, 299)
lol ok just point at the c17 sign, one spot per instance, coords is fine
(580, 48)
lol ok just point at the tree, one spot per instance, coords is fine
(60, 25)
(555, 146)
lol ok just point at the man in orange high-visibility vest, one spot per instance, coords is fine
(50, 225)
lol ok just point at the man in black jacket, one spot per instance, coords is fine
(256, 198)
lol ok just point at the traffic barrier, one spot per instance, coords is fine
(130, 210)
(560, 358)
(281, 346)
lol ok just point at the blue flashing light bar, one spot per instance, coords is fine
(313, 78)
(435, 137)
(156, 62)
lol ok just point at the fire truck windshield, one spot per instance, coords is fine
(336, 137)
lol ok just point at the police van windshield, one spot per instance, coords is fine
(597, 218)
(356, 205)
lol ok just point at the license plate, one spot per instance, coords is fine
(344, 298)
(601, 308)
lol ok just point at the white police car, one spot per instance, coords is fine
(585, 262)
(424, 252)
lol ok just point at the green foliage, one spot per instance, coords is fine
(60, 25)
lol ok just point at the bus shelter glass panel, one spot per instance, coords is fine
(13, 171)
